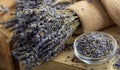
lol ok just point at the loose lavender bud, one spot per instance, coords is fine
(95, 45)
(117, 60)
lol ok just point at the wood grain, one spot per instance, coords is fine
(51, 65)
(5, 54)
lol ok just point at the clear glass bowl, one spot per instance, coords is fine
(94, 61)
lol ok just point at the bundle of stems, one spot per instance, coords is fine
(40, 31)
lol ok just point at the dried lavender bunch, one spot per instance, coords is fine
(40, 31)
(29, 6)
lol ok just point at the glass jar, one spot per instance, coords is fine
(94, 61)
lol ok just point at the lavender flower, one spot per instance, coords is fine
(40, 31)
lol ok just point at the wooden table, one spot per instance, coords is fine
(6, 62)
(64, 60)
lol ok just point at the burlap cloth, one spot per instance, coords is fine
(92, 15)
(113, 8)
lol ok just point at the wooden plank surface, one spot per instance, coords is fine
(5, 54)
(52, 65)
(66, 56)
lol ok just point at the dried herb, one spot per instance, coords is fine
(75, 59)
(40, 31)
(117, 60)
(95, 45)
